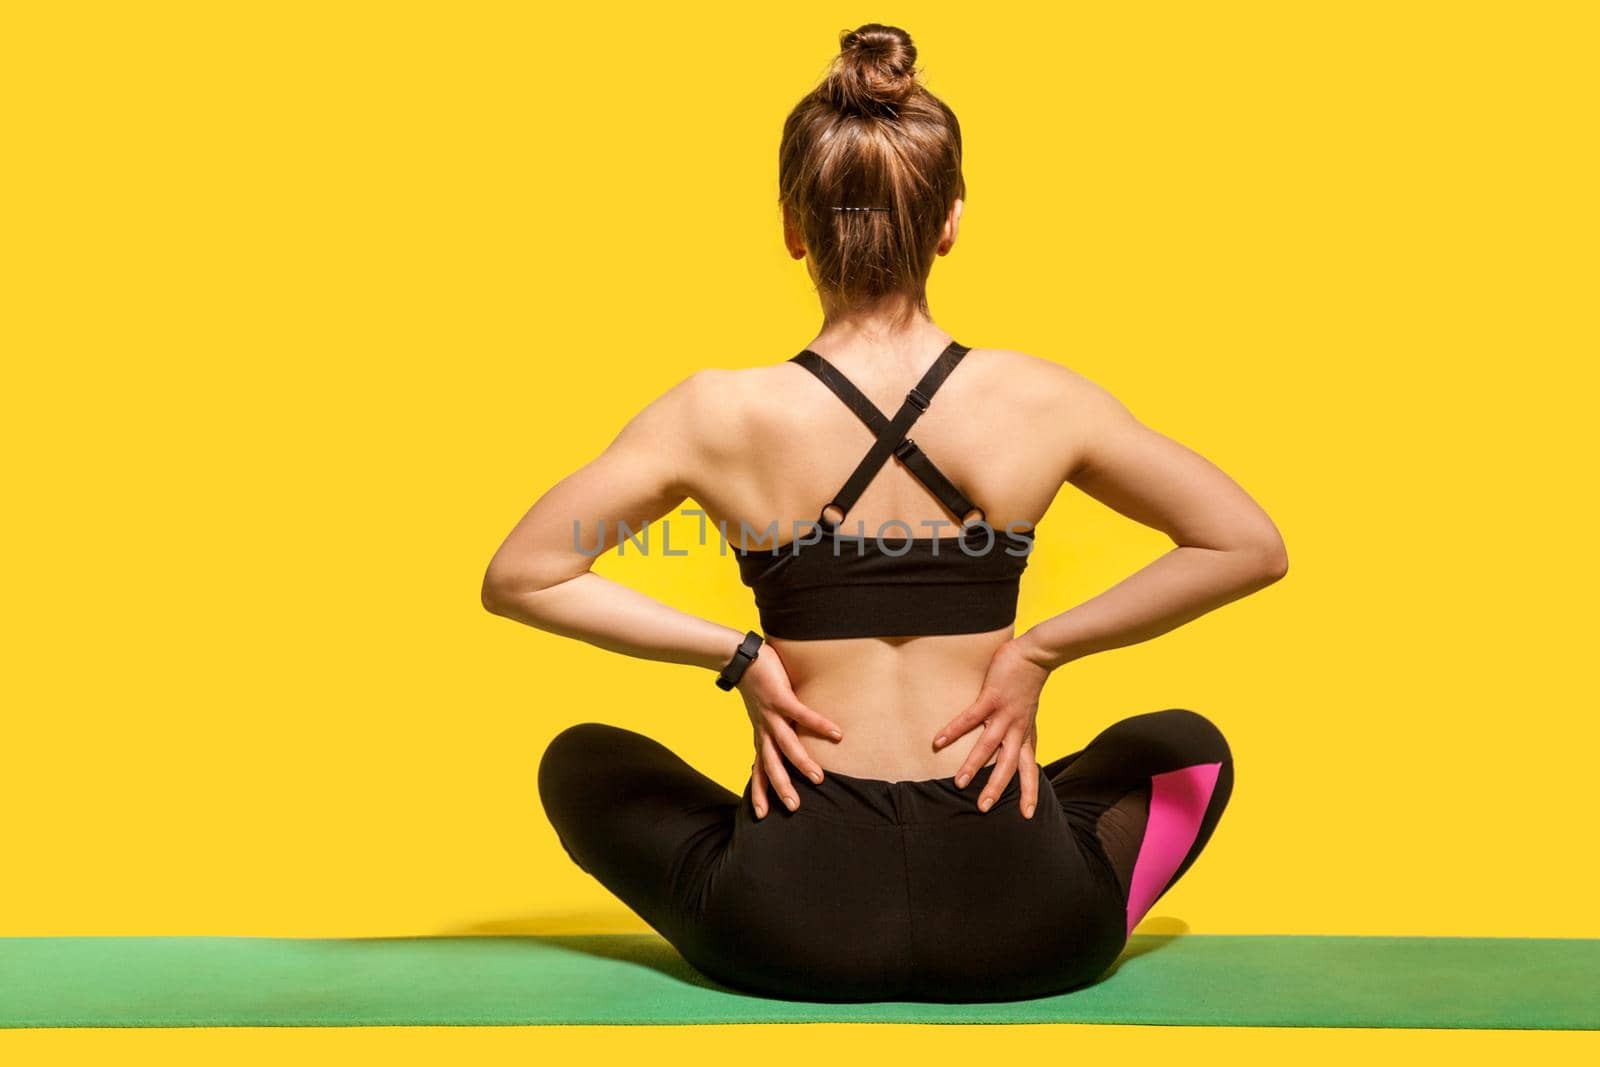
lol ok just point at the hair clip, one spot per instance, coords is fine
(863, 208)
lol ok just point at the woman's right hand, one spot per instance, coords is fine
(1007, 708)
(775, 712)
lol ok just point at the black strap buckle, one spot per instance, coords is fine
(905, 447)
(916, 397)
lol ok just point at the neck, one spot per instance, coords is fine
(894, 324)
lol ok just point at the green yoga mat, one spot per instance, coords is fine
(634, 979)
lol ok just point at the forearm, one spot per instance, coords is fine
(610, 615)
(1180, 586)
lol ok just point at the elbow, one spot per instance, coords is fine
(494, 594)
(511, 586)
(503, 588)
(1271, 560)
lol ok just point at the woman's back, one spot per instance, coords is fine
(780, 446)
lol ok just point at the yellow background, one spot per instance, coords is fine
(304, 304)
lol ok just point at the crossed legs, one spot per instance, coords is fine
(649, 826)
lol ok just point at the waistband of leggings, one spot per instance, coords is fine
(846, 798)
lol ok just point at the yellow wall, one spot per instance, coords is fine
(305, 306)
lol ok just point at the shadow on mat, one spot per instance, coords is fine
(645, 950)
(604, 934)
(572, 922)
(1153, 934)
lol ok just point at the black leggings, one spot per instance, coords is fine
(880, 890)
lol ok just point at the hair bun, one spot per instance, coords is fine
(875, 70)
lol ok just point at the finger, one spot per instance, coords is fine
(814, 721)
(776, 775)
(1004, 768)
(783, 734)
(1030, 778)
(963, 723)
(758, 789)
(982, 749)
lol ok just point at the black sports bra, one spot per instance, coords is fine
(828, 584)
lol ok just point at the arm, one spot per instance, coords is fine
(541, 575)
(1225, 545)
(1225, 548)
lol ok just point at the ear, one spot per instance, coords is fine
(952, 227)
(791, 235)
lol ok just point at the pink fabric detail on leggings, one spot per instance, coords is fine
(1178, 801)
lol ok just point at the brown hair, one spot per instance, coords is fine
(870, 136)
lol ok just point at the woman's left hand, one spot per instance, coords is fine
(775, 712)
(1007, 708)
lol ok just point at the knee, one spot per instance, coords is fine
(571, 757)
(1199, 736)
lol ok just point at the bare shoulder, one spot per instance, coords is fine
(1044, 385)
(733, 402)
(714, 411)
(1028, 375)
(709, 393)
(1060, 409)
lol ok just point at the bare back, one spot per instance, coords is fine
(785, 444)
(773, 444)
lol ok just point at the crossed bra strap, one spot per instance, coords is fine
(891, 433)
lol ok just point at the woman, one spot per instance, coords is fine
(896, 838)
